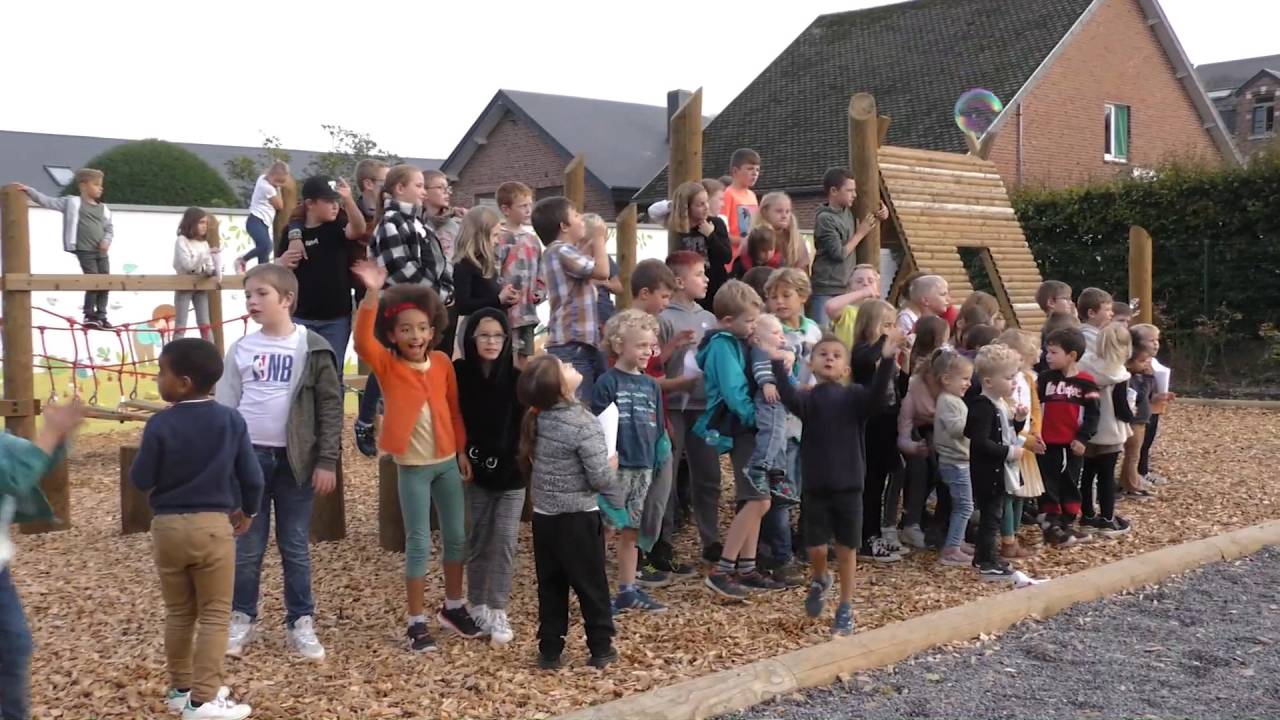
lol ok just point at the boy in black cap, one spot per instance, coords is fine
(318, 254)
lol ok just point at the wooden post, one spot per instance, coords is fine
(1140, 284)
(135, 508)
(864, 134)
(984, 145)
(390, 521)
(19, 375)
(626, 244)
(575, 181)
(329, 513)
(289, 197)
(684, 162)
(215, 296)
(882, 129)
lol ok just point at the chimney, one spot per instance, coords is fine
(675, 99)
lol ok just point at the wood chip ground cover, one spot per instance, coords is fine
(94, 604)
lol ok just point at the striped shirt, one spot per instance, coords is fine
(519, 256)
(567, 273)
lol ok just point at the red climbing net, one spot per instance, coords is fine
(128, 365)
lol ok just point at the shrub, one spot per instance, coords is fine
(155, 172)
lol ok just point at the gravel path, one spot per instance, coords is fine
(1204, 645)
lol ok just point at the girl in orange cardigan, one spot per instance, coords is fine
(423, 432)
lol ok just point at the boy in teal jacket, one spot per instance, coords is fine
(22, 464)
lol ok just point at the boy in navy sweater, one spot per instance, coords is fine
(203, 478)
(833, 462)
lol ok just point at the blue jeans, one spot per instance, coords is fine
(818, 310)
(369, 400)
(775, 526)
(957, 480)
(292, 502)
(587, 360)
(261, 235)
(15, 653)
(771, 436)
(337, 332)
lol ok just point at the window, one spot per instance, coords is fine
(1116, 143)
(546, 192)
(60, 175)
(1264, 116)
(486, 200)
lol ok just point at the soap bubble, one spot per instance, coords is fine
(976, 110)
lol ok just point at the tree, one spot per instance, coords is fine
(244, 170)
(349, 148)
(155, 172)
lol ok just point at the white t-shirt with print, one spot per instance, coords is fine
(267, 367)
(260, 204)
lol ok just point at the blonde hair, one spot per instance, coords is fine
(871, 315)
(1143, 334)
(277, 277)
(679, 222)
(794, 277)
(627, 321)
(734, 298)
(281, 167)
(473, 240)
(1021, 341)
(767, 321)
(794, 253)
(592, 222)
(1114, 346)
(397, 175)
(84, 175)
(945, 361)
(983, 300)
(993, 359)
(924, 285)
(366, 169)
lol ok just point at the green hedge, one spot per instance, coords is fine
(1216, 237)
(155, 172)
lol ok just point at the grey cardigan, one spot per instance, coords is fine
(69, 206)
(570, 463)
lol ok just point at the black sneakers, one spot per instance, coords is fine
(604, 659)
(712, 553)
(993, 572)
(420, 639)
(459, 621)
(1114, 527)
(549, 662)
(366, 439)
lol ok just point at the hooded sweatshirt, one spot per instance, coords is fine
(730, 408)
(490, 412)
(1114, 413)
(674, 320)
(832, 228)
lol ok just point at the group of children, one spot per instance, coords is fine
(855, 419)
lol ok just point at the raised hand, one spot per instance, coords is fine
(371, 274)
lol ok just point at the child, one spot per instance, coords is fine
(728, 424)
(1106, 365)
(1160, 400)
(424, 433)
(265, 202)
(833, 415)
(442, 221)
(994, 452)
(926, 295)
(682, 326)
(198, 466)
(1054, 296)
(702, 232)
(1095, 312)
(475, 272)
(1057, 320)
(875, 321)
(569, 265)
(768, 461)
(87, 232)
(1024, 395)
(954, 373)
(487, 382)
(756, 277)
(1069, 397)
(284, 381)
(835, 240)
(631, 336)
(1142, 386)
(740, 204)
(562, 447)
(915, 427)
(519, 265)
(864, 284)
(192, 256)
(22, 464)
(775, 213)
(761, 251)
(989, 305)
(1121, 312)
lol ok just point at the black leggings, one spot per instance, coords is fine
(1144, 457)
(883, 459)
(1102, 469)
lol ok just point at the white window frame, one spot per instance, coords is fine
(57, 173)
(1110, 141)
(1265, 104)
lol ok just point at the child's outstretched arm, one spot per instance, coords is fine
(837, 304)
(367, 346)
(792, 399)
(44, 201)
(328, 400)
(23, 462)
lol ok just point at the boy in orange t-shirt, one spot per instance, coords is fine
(740, 204)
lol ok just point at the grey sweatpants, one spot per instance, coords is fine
(491, 544)
(704, 478)
(661, 490)
(183, 300)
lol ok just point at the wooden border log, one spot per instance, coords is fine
(864, 134)
(1140, 280)
(329, 513)
(575, 181)
(135, 507)
(390, 521)
(626, 246)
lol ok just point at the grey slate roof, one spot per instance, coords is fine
(1231, 74)
(24, 156)
(915, 57)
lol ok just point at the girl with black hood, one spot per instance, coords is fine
(496, 495)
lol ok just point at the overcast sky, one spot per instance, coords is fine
(414, 75)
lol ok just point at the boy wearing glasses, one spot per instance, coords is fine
(441, 219)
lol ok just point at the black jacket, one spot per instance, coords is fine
(987, 451)
(718, 251)
(490, 411)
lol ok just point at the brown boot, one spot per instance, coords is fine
(1011, 550)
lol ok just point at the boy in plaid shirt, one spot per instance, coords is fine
(568, 267)
(519, 265)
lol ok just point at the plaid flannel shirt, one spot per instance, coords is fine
(519, 265)
(567, 273)
(410, 252)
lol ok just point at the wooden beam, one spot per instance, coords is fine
(984, 145)
(1002, 291)
(24, 281)
(575, 181)
(685, 160)
(626, 244)
(1140, 280)
(864, 133)
(215, 298)
(882, 129)
(135, 508)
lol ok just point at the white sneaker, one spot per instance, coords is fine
(912, 535)
(500, 632)
(220, 708)
(176, 701)
(880, 544)
(482, 616)
(302, 639)
(241, 632)
(889, 536)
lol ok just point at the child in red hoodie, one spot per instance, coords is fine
(1070, 401)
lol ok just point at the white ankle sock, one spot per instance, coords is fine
(414, 619)
(453, 604)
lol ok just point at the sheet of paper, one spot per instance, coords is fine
(1162, 376)
(609, 423)
(690, 367)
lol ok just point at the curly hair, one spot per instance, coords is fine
(632, 319)
(995, 359)
(395, 299)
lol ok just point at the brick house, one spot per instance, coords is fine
(1091, 89)
(1244, 91)
(530, 137)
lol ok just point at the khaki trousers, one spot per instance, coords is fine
(1130, 478)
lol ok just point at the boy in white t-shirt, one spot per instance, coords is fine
(263, 205)
(284, 381)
